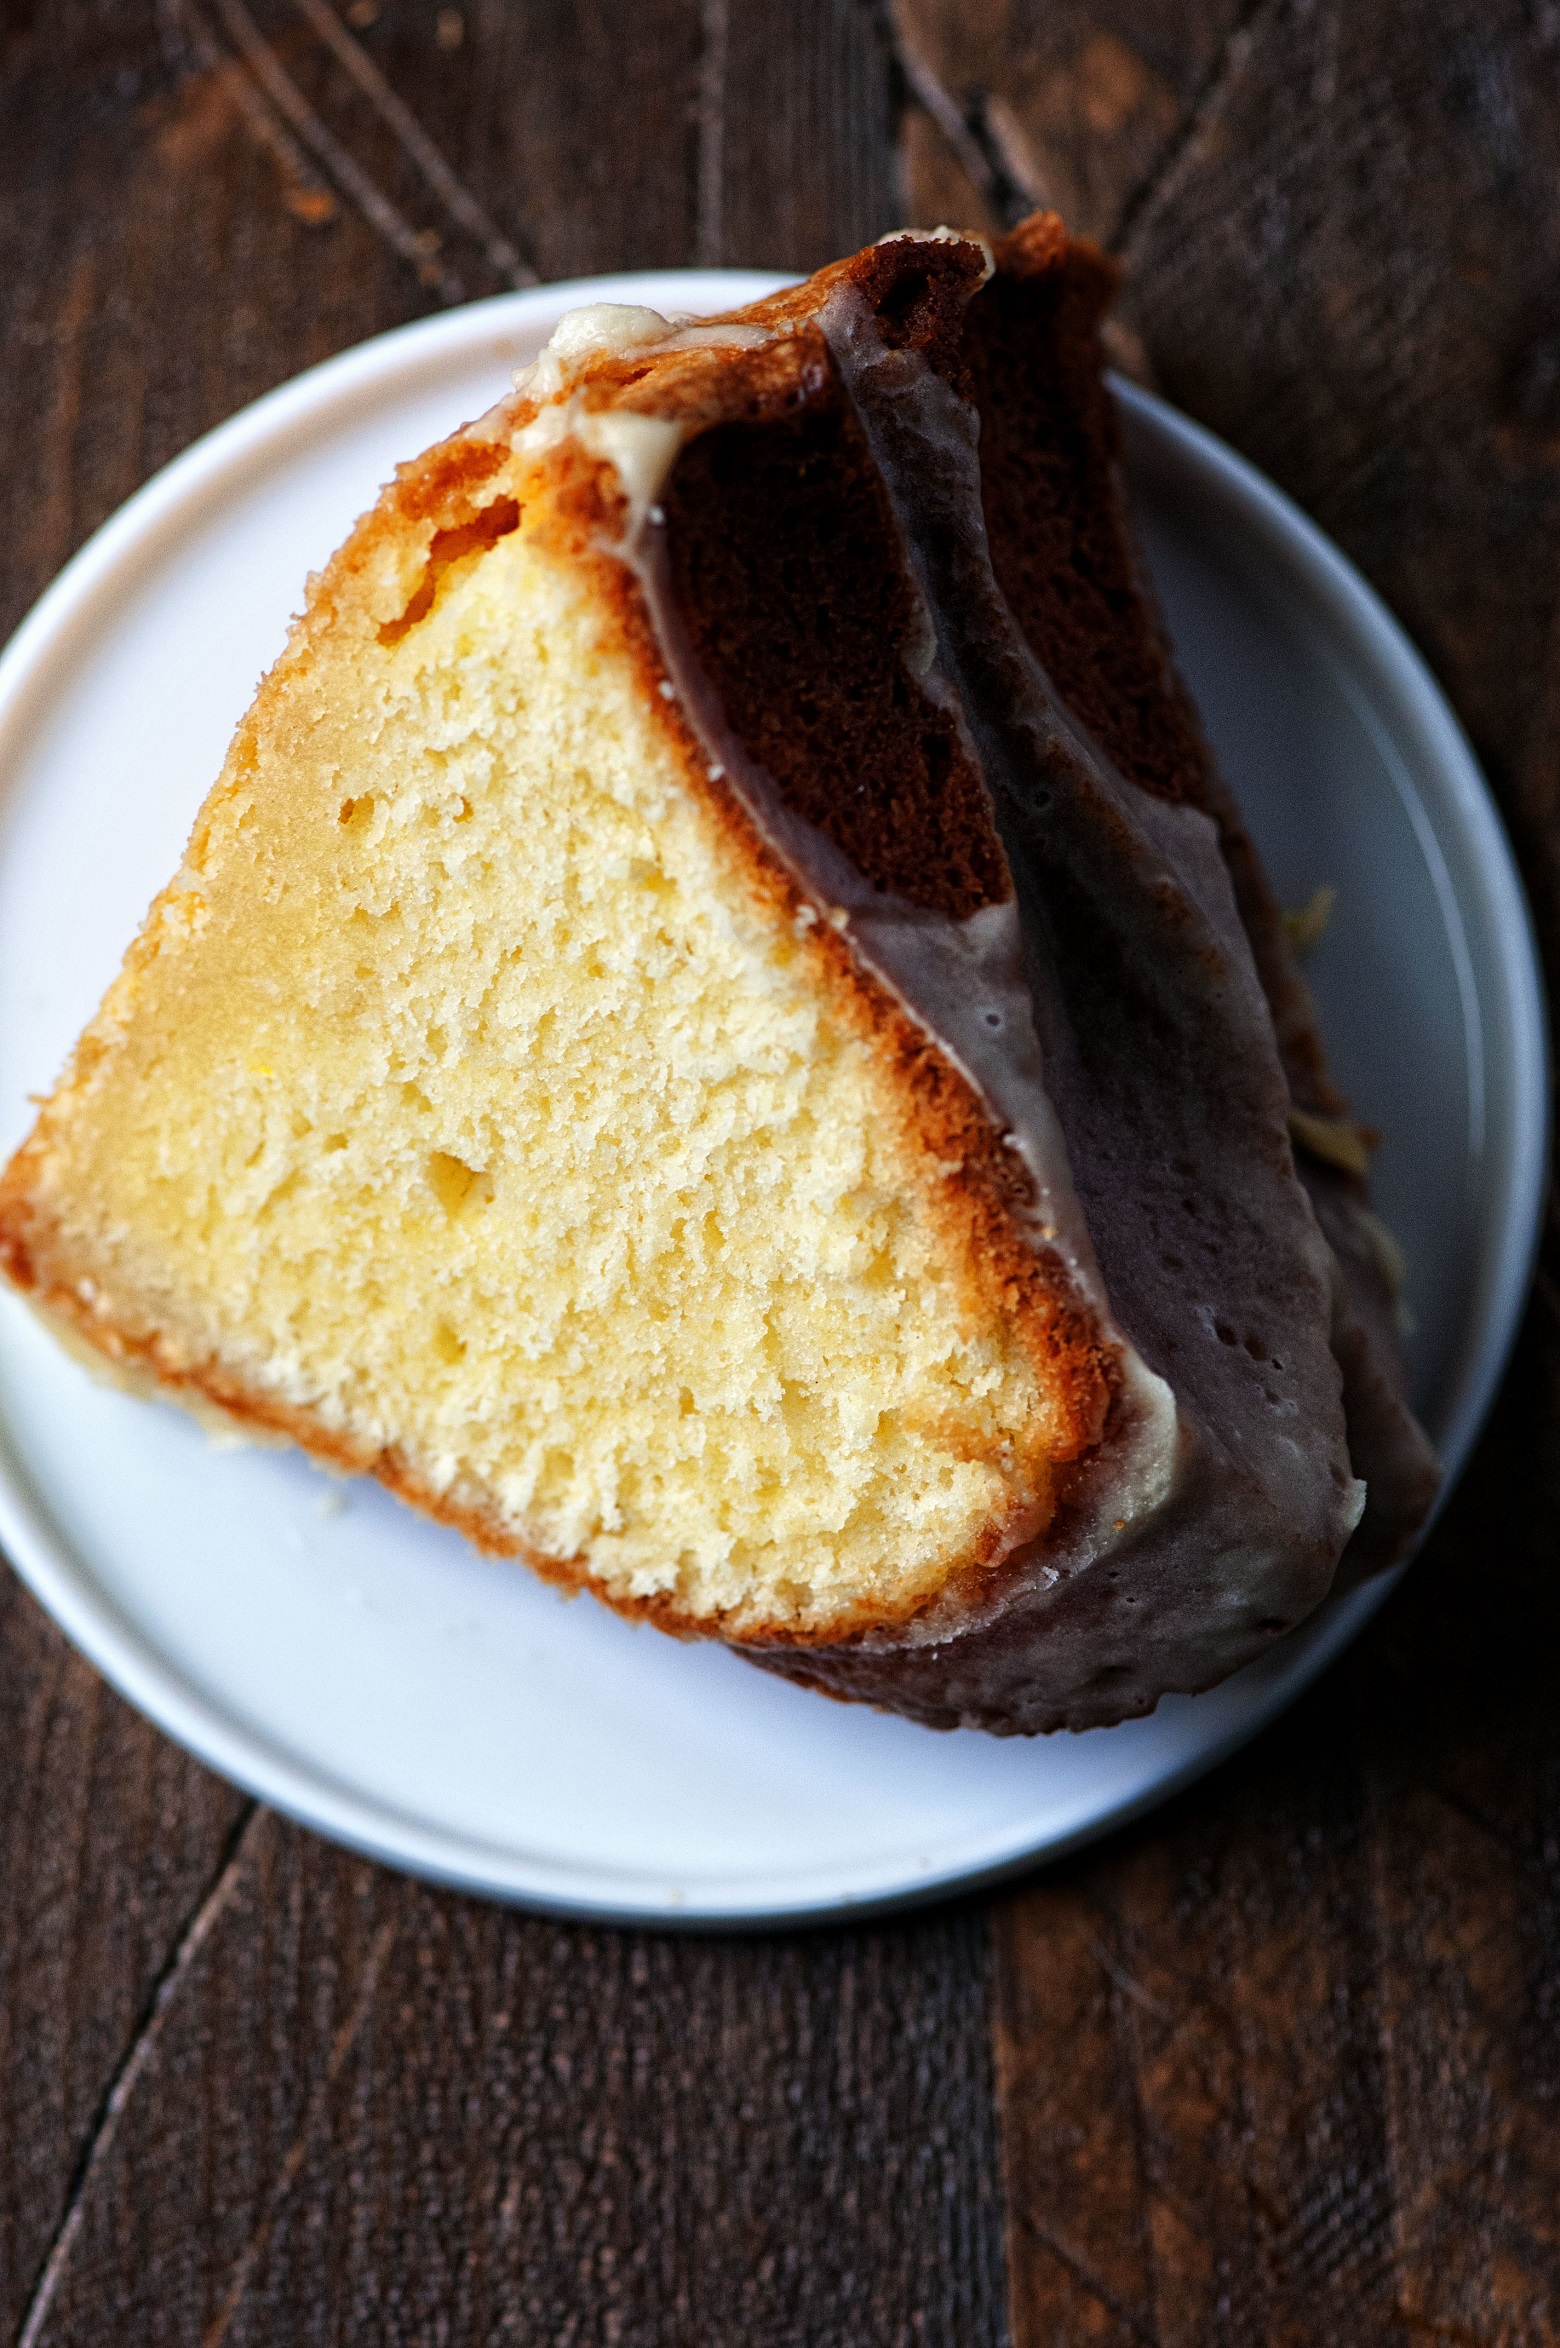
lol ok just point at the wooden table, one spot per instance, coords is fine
(1281, 2065)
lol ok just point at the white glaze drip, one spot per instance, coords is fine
(620, 329)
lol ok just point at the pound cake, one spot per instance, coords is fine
(720, 1032)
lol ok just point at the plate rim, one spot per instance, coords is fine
(134, 535)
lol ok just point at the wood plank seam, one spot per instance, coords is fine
(342, 2045)
(132, 2068)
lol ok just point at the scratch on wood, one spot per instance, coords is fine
(452, 192)
(130, 2072)
(305, 194)
(710, 227)
(1238, 44)
(1125, 1983)
(1132, 2324)
(1509, 1845)
(417, 246)
(982, 156)
(341, 2046)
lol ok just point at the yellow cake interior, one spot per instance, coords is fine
(463, 1097)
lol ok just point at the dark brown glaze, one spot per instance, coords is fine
(1065, 559)
(1386, 1443)
(785, 564)
(1159, 1045)
(1063, 554)
(1161, 1063)
(1048, 454)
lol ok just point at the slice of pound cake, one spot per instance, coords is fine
(720, 1032)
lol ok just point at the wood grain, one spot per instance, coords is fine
(251, 2089)
(375, 2112)
(808, 156)
(109, 1838)
(1075, 104)
(1279, 2065)
(1351, 273)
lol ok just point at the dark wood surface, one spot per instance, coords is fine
(1280, 2065)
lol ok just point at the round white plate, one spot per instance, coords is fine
(366, 1671)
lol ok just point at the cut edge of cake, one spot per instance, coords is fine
(446, 514)
(898, 925)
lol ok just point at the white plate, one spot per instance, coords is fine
(367, 1672)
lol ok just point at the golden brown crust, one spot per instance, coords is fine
(988, 1645)
(976, 1192)
(978, 1209)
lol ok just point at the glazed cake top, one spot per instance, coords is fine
(1067, 939)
